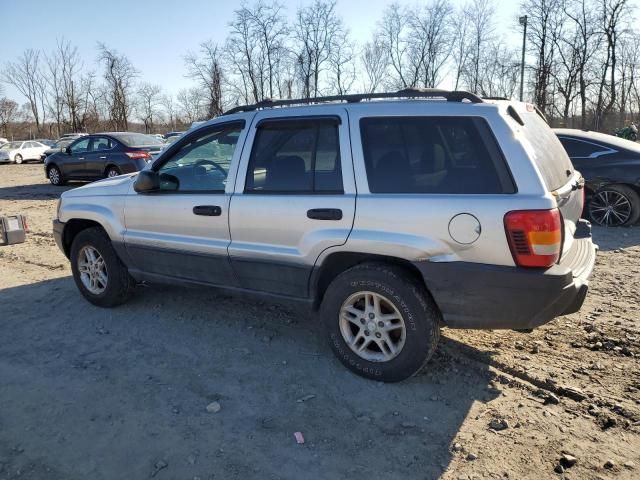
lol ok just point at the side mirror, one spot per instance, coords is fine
(66, 150)
(147, 181)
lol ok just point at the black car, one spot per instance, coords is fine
(611, 168)
(101, 155)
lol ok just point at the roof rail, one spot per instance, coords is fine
(451, 96)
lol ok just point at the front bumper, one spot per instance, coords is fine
(478, 296)
(58, 232)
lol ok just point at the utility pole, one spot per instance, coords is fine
(523, 22)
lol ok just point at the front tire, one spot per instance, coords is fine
(98, 273)
(55, 176)
(381, 323)
(17, 159)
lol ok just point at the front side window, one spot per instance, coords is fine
(203, 163)
(447, 155)
(81, 146)
(301, 156)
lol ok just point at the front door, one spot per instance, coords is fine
(182, 230)
(73, 165)
(296, 199)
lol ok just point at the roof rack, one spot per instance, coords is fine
(451, 96)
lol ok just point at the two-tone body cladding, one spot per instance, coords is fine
(393, 218)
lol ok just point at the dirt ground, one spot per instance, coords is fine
(123, 393)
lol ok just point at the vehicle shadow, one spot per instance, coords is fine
(613, 238)
(36, 191)
(109, 393)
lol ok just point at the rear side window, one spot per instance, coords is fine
(433, 155)
(548, 153)
(580, 149)
(297, 156)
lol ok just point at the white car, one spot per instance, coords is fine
(3, 140)
(18, 152)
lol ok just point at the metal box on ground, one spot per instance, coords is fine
(12, 230)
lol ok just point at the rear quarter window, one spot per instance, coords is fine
(445, 155)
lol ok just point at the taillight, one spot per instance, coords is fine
(138, 155)
(535, 236)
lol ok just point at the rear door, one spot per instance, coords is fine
(294, 197)
(96, 158)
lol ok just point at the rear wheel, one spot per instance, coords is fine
(112, 172)
(18, 159)
(55, 176)
(381, 323)
(614, 206)
(98, 273)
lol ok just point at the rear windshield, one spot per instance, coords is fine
(137, 139)
(546, 151)
(433, 155)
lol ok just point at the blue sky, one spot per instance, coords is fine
(155, 35)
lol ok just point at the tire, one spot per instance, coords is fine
(624, 201)
(116, 285)
(17, 159)
(112, 172)
(395, 289)
(55, 176)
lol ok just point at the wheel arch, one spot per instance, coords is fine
(73, 227)
(338, 262)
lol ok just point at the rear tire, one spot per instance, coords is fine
(112, 172)
(99, 274)
(381, 323)
(623, 202)
(17, 159)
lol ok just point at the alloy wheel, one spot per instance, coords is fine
(372, 326)
(610, 208)
(112, 173)
(54, 176)
(93, 270)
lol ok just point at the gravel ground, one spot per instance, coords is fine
(123, 393)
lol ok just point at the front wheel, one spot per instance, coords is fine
(381, 323)
(112, 172)
(18, 159)
(98, 273)
(55, 176)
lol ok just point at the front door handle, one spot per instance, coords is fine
(324, 214)
(102, 158)
(80, 158)
(207, 210)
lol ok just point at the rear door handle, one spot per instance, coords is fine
(207, 210)
(324, 214)
(102, 158)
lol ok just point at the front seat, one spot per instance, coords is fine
(392, 174)
(287, 173)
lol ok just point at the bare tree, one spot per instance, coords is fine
(191, 105)
(613, 15)
(342, 65)
(148, 104)
(25, 74)
(480, 14)
(316, 27)
(8, 114)
(375, 63)
(543, 31)
(119, 75)
(461, 43)
(207, 71)
(169, 105)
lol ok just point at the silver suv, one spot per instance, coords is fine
(393, 214)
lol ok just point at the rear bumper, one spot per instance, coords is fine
(479, 296)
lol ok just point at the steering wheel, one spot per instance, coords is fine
(213, 164)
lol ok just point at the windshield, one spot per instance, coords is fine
(137, 139)
(11, 145)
